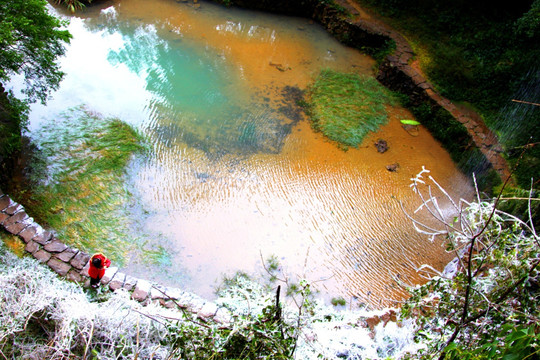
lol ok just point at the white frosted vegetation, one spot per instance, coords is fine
(43, 316)
(347, 337)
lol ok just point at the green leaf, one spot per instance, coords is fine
(450, 347)
(513, 356)
(409, 122)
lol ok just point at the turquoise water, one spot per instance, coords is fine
(182, 92)
(235, 174)
(177, 76)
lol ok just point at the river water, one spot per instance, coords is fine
(236, 174)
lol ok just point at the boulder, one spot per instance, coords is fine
(43, 236)
(80, 260)
(5, 202)
(3, 218)
(31, 247)
(117, 281)
(142, 290)
(14, 208)
(67, 254)
(16, 218)
(208, 310)
(16, 228)
(130, 282)
(73, 275)
(42, 255)
(55, 246)
(392, 167)
(29, 232)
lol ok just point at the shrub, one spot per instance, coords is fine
(487, 308)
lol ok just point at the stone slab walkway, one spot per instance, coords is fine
(72, 264)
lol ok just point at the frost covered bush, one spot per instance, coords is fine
(487, 308)
(44, 317)
(314, 330)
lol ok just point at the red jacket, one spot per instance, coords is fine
(95, 272)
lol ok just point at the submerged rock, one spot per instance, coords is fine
(381, 145)
(392, 167)
(411, 129)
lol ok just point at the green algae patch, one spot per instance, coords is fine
(80, 190)
(345, 107)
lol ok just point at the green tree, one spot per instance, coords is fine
(529, 23)
(31, 40)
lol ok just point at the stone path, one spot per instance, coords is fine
(73, 264)
(399, 68)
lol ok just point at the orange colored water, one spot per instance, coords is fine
(330, 216)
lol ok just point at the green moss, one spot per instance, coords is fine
(13, 243)
(346, 107)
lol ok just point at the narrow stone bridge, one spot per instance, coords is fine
(72, 264)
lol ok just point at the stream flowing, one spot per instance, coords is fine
(235, 173)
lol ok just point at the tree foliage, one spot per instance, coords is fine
(529, 23)
(31, 40)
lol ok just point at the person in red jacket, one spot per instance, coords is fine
(98, 264)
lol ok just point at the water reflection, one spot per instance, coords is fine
(258, 33)
(195, 99)
(235, 172)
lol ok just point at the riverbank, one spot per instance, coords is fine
(472, 145)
